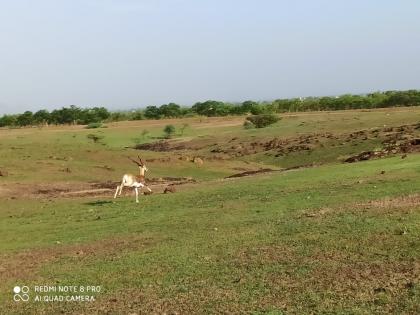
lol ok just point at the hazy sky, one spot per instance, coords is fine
(127, 53)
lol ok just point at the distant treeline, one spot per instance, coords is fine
(76, 115)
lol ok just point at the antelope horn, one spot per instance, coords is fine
(132, 160)
(141, 161)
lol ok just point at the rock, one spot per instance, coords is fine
(198, 161)
(379, 290)
(169, 189)
(185, 158)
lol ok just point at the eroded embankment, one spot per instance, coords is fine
(394, 140)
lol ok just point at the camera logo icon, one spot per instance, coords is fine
(21, 293)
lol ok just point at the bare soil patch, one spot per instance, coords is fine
(383, 206)
(75, 190)
(409, 201)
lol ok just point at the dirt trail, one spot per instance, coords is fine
(107, 189)
(75, 189)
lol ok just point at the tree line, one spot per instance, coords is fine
(211, 108)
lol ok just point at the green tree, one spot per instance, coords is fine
(212, 108)
(8, 120)
(152, 112)
(119, 116)
(25, 119)
(41, 117)
(249, 107)
(170, 110)
(137, 115)
(66, 115)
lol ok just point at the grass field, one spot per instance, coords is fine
(311, 235)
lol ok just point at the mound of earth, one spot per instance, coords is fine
(250, 173)
(393, 147)
(160, 146)
(394, 139)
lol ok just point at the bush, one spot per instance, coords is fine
(94, 125)
(248, 125)
(138, 115)
(94, 138)
(169, 130)
(261, 121)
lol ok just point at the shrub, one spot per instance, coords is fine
(94, 138)
(94, 125)
(261, 121)
(248, 125)
(138, 115)
(140, 140)
(169, 130)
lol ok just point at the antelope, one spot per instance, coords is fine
(134, 181)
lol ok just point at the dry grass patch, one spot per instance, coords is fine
(25, 264)
(402, 203)
(151, 300)
(410, 201)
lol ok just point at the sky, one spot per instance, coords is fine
(125, 54)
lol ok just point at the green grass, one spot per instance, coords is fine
(249, 231)
(306, 241)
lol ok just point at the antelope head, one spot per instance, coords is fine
(140, 163)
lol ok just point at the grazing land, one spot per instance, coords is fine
(318, 213)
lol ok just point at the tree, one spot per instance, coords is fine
(169, 130)
(7, 120)
(41, 117)
(170, 110)
(212, 108)
(66, 115)
(137, 115)
(119, 116)
(152, 112)
(249, 107)
(92, 115)
(25, 119)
